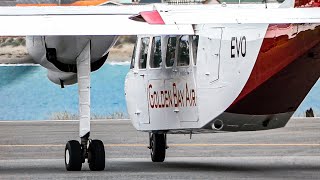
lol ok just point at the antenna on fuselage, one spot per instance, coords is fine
(265, 2)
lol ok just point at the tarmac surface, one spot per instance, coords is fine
(35, 150)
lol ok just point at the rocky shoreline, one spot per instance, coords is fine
(121, 54)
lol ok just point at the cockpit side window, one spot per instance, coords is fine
(171, 51)
(183, 51)
(144, 52)
(195, 42)
(156, 57)
(133, 58)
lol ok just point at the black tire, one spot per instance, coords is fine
(72, 156)
(158, 147)
(96, 156)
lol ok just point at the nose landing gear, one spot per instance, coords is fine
(158, 146)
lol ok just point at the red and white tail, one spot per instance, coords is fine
(300, 3)
(306, 3)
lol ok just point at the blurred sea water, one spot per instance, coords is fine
(27, 94)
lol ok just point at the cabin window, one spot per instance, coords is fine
(171, 51)
(144, 52)
(133, 57)
(195, 42)
(183, 51)
(156, 58)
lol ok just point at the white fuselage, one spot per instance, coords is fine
(189, 96)
(237, 77)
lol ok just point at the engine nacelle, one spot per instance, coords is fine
(59, 53)
(62, 78)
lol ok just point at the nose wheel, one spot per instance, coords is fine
(75, 155)
(158, 147)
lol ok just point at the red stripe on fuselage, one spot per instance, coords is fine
(281, 46)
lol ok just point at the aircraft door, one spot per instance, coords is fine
(183, 82)
(208, 58)
(138, 83)
(171, 87)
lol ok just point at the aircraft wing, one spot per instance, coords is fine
(117, 20)
(222, 15)
(93, 20)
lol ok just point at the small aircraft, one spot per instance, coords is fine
(195, 69)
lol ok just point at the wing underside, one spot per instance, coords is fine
(161, 19)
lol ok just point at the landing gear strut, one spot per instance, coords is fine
(158, 146)
(93, 150)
